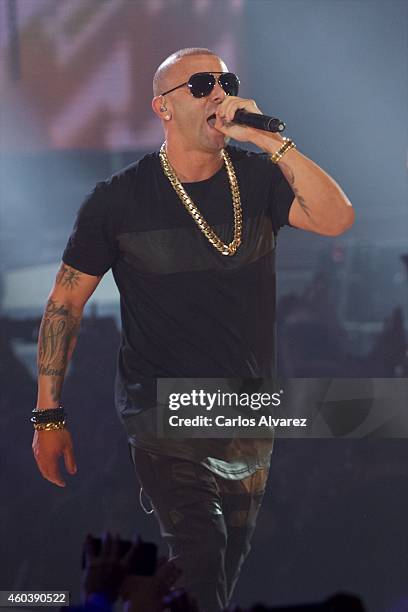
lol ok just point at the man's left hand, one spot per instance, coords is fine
(225, 114)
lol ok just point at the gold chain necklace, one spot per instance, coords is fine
(225, 249)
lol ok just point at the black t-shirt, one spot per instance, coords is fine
(187, 310)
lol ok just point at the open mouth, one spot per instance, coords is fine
(211, 120)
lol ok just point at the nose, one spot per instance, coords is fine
(217, 94)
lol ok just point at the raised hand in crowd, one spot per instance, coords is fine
(140, 593)
(104, 570)
(180, 601)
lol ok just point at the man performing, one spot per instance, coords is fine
(190, 234)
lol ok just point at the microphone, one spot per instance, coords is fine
(261, 122)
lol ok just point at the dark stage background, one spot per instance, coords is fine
(75, 82)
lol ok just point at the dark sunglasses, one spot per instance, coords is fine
(201, 84)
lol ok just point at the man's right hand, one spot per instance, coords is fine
(57, 339)
(48, 446)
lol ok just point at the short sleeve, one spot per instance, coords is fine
(91, 247)
(281, 199)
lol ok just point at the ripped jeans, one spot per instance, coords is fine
(206, 520)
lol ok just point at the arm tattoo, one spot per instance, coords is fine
(290, 177)
(68, 277)
(58, 332)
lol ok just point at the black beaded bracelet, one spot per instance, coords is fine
(55, 419)
(41, 410)
(49, 411)
(51, 415)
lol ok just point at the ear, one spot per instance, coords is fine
(160, 108)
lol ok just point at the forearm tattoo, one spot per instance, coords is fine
(58, 332)
(68, 277)
(290, 177)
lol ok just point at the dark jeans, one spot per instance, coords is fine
(207, 521)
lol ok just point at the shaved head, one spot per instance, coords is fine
(163, 75)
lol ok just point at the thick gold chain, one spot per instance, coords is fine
(225, 249)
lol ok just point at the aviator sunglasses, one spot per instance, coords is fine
(201, 84)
